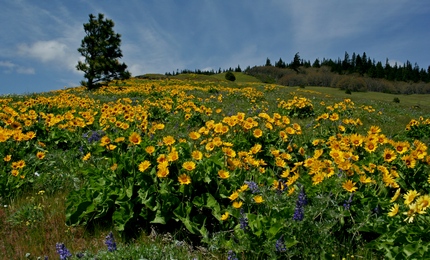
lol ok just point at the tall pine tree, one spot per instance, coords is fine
(100, 48)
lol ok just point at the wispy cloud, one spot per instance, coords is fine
(9, 67)
(52, 51)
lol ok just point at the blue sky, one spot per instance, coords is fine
(39, 39)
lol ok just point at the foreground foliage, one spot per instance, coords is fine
(254, 170)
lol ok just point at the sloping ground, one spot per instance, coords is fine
(240, 77)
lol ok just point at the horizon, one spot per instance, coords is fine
(40, 51)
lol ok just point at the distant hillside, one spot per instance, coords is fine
(325, 76)
(240, 77)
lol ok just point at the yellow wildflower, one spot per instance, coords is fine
(258, 199)
(410, 196)
(394, 210)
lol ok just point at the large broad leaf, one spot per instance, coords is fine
(182, 213)
(79, 205)
(75, 213)
(208, 201)
(275, 226)
(256, 223)
(123, 214)
(147, 197)
(159, 218)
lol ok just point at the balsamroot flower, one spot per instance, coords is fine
(184, 179)
(144, 165)
(223, 174)
(349, 186)
(394, 210)
(225, 216)
(189, 166)
(258, 199)
(135, 138)
(410, 196)
(234, 196)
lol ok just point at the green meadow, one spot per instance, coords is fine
(197, 167)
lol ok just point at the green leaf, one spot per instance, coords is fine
(410, 249)
(290, 241)
(159, 218)
(129, 191)
(198, 201)
(274, 229)
(123, 215)
(182, 212)
(147, 197)
(75, 217)
(207, 179)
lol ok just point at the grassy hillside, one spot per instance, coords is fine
(240, 77)
(323, 76)
(195, 166)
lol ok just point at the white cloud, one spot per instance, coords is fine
(44, 50)
(10, 67)
(7, 64)
(53, 51)
(22, 70)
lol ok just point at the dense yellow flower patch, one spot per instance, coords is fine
(273, 148)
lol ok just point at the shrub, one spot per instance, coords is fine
(351, 83)
(230, 76)
(396, 100)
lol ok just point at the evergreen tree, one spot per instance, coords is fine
(353, 63)
(380, 73)
(280, 64)
(268, 63)
(316, 63)
(345, 62)
(238, 69)
(100, 48)
(296, 62)
(359, 65)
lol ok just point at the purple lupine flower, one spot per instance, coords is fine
(280, 245)
(376, 210)
(252, 186)
(94, 136)
(243, 220)
(299, 214)
(299, 211)
(63, 251)
(231, 255)
(302, 199)
(110, 242)
(348, 202)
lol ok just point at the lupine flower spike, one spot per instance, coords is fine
(280, 245)
(252, 186)
(231, 255)
(243, 220)
(63, 251)
(299, 211)
(110, 242)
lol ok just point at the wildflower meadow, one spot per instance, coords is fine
(186, 168)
